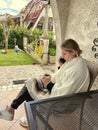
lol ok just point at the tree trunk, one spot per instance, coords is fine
(6, 43)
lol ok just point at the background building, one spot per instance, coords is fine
(32, 15)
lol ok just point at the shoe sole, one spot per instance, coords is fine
(23, 125)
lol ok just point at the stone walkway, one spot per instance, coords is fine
(8, 74)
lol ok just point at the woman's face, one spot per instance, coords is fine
(68, 54)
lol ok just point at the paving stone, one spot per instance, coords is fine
(8, 74)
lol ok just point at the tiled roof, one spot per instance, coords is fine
(33, 15)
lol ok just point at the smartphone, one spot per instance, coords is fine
(62, 60)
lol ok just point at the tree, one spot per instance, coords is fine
(18, 32)
(1, 36)
(6, 25)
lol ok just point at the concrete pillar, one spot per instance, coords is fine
(46, 22)
(25, 42)
(45, 36)
(45, 53)
(60, 9)
(21, 20)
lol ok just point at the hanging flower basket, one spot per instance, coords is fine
(52, 59)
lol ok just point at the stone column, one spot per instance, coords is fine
(46, 46)
(45, 34)
(21, 20)
(45, 37)
(25, 42)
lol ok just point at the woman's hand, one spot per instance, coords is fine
(60, 62)
(46, 80)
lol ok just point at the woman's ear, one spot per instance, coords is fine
(74, 53)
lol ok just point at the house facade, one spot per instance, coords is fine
(32, 15)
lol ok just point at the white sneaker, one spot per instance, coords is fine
(23, 122)
(6, 115)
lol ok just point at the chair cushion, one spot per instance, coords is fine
(93, 69)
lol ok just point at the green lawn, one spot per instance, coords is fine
(15, 58)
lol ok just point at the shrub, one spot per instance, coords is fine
(19, 32)
(52, 52)
(1, 37)
(52, 42)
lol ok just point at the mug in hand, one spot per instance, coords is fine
(47, 75)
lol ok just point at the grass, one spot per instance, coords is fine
(15, 58)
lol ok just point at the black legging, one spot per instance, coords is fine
(22, 96)
(25, 96)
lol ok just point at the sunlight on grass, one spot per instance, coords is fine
(15, 58)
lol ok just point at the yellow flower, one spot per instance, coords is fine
(39, 49)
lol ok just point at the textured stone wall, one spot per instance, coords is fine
(82, 25)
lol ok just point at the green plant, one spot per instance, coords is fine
(6, 26)
(1, 37)
(52, 52)
(52, 42)
(18, 33)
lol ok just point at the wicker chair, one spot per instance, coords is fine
(72, 112)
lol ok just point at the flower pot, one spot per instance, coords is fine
(52, 59)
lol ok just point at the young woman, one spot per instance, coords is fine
(72, 77)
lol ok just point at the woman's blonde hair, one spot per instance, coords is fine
(70, 45)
